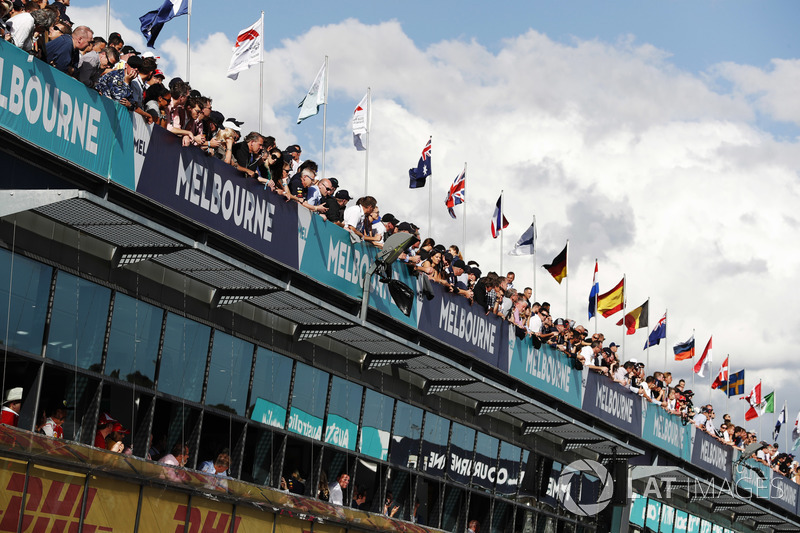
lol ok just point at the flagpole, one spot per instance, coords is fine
(624, 310)
(430, 193)
(695, 345)
(566, 270)
(597, 297)
(366, 135)
(760, 417)
(786, 430)
(665, 339)
(648, 340)
(261, 79)
(533, 262)
(108, 18)
(464, 222)
(728, 389)
(500, 233)
(325, 118)
(188, 41)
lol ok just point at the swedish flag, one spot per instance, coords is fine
(735, 384)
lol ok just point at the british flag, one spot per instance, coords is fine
(455, 195)
(418, 176)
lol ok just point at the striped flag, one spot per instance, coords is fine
(593, 293)
(558, 267)
(705, 360)
(636, 319)
(684, 350)
(612, 301)
(499, 222)
(722, 377)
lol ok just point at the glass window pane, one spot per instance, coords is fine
(406, 435)
(343, 413)
(30, 291)
(133, 340)
(508, 469)
(183, 357)
(434, 444)
(78, 323)
(485, 461)
(271, 382)
(229, 373)
(377, 424)
(462, 443)
(308, 401)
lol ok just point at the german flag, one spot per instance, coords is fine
(558, 268)
(636, 319)
(612, 301)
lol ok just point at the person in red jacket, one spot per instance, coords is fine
(104, 428)
(11, 406)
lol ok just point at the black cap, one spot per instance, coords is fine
(135, 62)
(128, 49)
(390, 218)
(476, 271)
(688, 393)
(334, 182)
(458, 263)
(559, 322)
(217, 118)
(342, 195)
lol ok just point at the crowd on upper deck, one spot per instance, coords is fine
(120, 72)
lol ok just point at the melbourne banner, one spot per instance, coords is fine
(463, 326)
(783, 492)
(61, 115)
(707, 452)
(211, 192)
(666, 431)
(751, 476)
(544, 368)
(613, 403)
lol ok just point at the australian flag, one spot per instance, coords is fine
(659, 332)
(419, 175)
(455, 195)
(153, 21)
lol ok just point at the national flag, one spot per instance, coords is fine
(361, 124)
(735, 384)
(526, 245)
(248, 49)
(722, 377)
(558, 267)
(499, 222)
(456, 194)
(684, 350)
(612, 301)
(796, 432)
(153, 21)
(779, 422)
(593, 293)
(768, 403)
(659, 332)
(635, 319)
(705, 360)
(419, 175)
(316, 96)
(754, 399)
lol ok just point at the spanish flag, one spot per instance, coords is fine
(612, 301)
(636, 319)
(558, 268)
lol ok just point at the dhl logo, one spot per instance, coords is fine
(202, 521)
(56, 510)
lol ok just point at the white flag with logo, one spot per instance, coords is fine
(316, 95)
(360, 123)
(248, 49)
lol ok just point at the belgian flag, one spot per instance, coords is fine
(558, 268)
(636, 319)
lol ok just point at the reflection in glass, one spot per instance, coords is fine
(133, 341)
(376, 426)
(272, 379)
(462, 442)
(183, 357)
(406, 435)
(343, 413)
(78, 322)
(229, 373)
(485, 470)
(434, 444)
(308, 401)
(508, 469)
(23, 317)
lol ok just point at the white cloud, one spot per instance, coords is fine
(658, 172)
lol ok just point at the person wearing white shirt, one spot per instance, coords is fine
(337, 489)
(355, 215)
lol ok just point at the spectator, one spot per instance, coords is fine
(105, 425)
(248, 157)
(178, 458)
(336, 206)
(510, 277)
(114, 438)
(57, 414)
(156, 103)
(63, 52)
(294, 151)
(355, 215)
(9, 415)
(21, 25)
(337, 489)
(218, 470)
(61, 6)
(139, 82)
(115, 41)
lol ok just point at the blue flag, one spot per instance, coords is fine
(659, 332)
(735, 384)
(418, 176)
(153, 21)
(593, 294)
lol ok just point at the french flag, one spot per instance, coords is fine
(497, 225)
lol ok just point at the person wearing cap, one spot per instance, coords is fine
(64, 52)
(114, 439)
(9, 415)
(125, 53)
(57, 415)
(294, 150)
(385, 227)
(105, 425)
(336, 205)
(298, 187)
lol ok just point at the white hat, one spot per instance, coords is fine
(232, 125)
(13, 395)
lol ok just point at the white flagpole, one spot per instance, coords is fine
(464, 222)
(596, 299)
(500, 231)
(665, 338)
(566, 269)
(785, 429)
(325, 119)
(728, 388)
(188, 40)
(108, 18)
(648, 332)
(261, 79)
(533, 262)
(430, 193)
(366, 156)
(624, 310)
(695, 345)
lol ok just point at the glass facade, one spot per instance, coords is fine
(133, 341)
(183, 357)
(24, 291)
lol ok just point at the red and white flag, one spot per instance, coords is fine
(705, 360)
(248, 49)
(754, 399)
(723, 375)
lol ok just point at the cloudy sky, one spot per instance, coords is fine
(661, 139)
